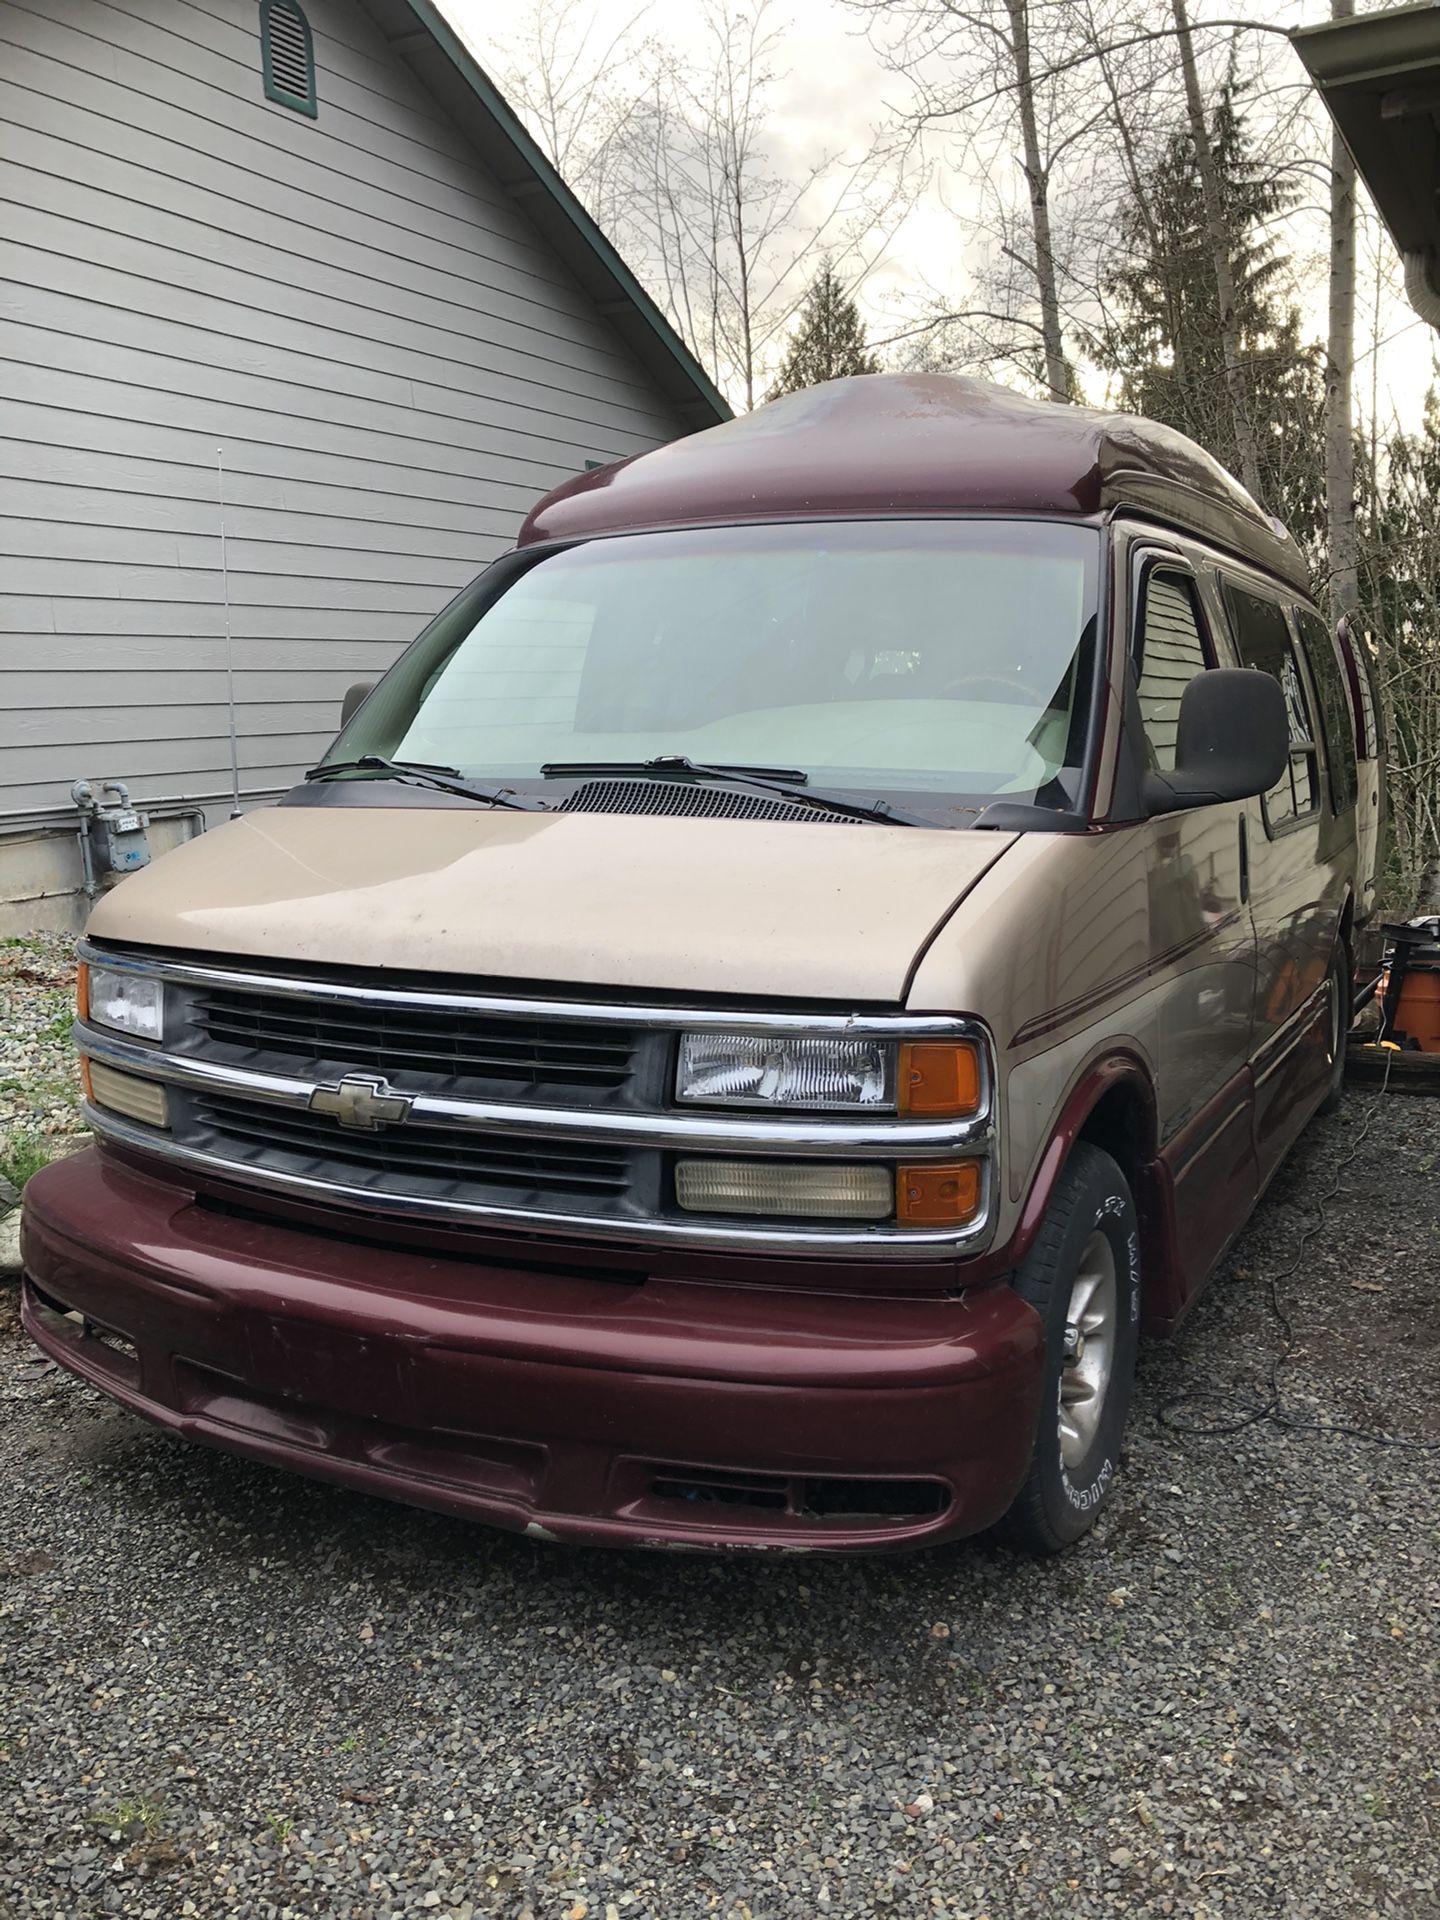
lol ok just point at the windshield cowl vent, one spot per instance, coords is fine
(680, 797)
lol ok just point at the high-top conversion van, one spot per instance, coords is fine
(790, 974)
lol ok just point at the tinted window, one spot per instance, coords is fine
(1360, 672)
(1262, 636)
(1337, 724)
(949, 656)
(1168, 654)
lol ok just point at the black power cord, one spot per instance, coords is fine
(1271, 1410)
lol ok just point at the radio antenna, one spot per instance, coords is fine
(229, 643)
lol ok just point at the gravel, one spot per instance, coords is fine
(227, 1691)
(39, 1082)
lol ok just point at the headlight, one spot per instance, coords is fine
(785, 1070)
(124, 1002)
(922, 1079)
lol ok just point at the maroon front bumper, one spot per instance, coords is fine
(580, 1409)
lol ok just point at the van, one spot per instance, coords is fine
(793, 972)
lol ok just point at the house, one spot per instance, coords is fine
(1379, 74)
(297, 269)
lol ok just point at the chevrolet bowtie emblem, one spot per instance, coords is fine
(358, 1102)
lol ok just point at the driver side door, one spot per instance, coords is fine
(1201, 939)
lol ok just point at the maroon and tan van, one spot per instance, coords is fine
(798, 967)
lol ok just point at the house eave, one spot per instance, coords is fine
(1379, 75)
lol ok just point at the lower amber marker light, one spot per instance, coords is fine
(938, 1196)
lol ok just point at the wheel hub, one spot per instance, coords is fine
(1088, 1349)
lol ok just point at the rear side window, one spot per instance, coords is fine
(1169, 652)
(1360, 674)
(1262, 637)
(1337, 722)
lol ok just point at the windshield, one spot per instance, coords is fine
(946, 656)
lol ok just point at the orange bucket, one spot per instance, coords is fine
(1411, 989)
(1417, 1017)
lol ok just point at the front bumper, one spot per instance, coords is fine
(580, 1409)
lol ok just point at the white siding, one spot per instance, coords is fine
(394, 362)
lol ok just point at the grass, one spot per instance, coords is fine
(49, 1090)
(21, 1155)
(147, 1813)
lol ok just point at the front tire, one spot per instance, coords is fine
(1340, 1022)
(1082, 1276)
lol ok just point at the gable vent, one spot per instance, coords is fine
(288, 52)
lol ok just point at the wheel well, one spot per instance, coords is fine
(1119, 1124)
(1122, 1124)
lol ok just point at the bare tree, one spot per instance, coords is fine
(953, 53)
(1339, 375)
(1241, 425)
(675, 154)
(1037, 183)
(1399, 582)
(571, 84)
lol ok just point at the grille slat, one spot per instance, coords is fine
(411, 1152)
(504, 1055)
(524, 1056)
(340, 1027)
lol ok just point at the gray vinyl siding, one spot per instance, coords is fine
(394, 362)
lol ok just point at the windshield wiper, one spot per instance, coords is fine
(788, 782)
(420, 773)
(672, 763)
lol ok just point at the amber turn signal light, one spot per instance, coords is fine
(82, 990)
(938, 1196)
(939, 1078)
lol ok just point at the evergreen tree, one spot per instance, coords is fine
(829, 341)
(1163, 333)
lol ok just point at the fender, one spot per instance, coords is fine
(1119, 1068)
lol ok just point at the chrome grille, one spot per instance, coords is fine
(417, 1047)
(412, 1158)
(247, 1047)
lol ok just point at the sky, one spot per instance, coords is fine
(835, 89)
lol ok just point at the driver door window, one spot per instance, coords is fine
(1169, 652)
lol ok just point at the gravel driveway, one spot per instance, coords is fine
(225, 1691)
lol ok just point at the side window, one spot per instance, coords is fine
(1262, 637)
(1337, 723)
(1169, 652)
(1359, 671)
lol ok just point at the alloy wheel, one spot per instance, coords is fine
(1089, 1349)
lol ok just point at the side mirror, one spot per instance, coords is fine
(355, 698)
(1233, 741)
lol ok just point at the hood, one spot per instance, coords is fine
(767, 908)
